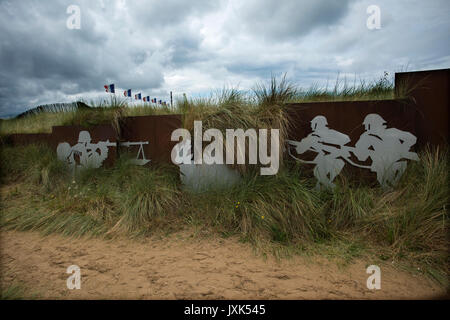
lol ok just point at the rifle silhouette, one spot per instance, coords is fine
(129, 144)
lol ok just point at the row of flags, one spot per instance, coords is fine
(127, 93)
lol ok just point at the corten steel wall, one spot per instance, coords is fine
(429, 92)
(347, 116)
(157, 130)
(26, 138)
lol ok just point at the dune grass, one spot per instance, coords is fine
(17, 291)
(257, 105)
(99, 113)
(344, 90)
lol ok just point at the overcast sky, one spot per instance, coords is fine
(196, 47)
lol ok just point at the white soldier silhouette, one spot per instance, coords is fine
(387, 148)
(88, 154)
(329, 146)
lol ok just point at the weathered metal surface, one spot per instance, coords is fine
(150, 133)
(202, 177)
(157, 130)
(429, 92)
(346, 118)
(27, 138)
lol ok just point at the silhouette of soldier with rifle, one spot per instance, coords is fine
(88, 154)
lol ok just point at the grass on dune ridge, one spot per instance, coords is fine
(409, 222)
(229, 100)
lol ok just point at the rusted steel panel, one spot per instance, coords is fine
(347, 116)
(157, 130)
(429, 91)
(152, 132)
(27, 138)
(71, 134)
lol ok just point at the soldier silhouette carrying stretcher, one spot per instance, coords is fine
(387, 148)
(329, 146)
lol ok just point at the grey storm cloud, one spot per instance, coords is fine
(198, 46)
(159, 14)
(278, 20)
(40, 54)
(184, 49)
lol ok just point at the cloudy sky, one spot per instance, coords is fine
(196, 47)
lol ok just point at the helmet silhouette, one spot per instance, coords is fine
(373, 121)
(84, 137)
(319, 122)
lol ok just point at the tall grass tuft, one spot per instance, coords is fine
(271, 112)
(149, 199)
(416, 221)
(380, 89)
(280, 208)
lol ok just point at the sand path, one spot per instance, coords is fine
(181, 267)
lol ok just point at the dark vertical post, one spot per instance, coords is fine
(429, 90)
(171, 101)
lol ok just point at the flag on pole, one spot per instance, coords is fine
(160, 101)
(138, 96)
(127, 93)
(145, 99)
(109, 88)
(148, 98)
